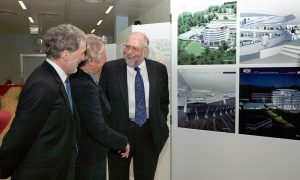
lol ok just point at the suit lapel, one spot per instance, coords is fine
(152, 76)
(122, 67)
(59, 82)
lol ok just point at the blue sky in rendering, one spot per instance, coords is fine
(270, 77)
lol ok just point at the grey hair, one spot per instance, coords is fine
(62, 37)
(146, 39)
(94, 46)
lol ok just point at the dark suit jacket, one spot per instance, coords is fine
(93, 106)
(114, 83)
(40, 144)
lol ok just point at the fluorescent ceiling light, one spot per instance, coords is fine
(99, 22)
(108, 10)
(22, 5)
(93, 31)
(30, 19)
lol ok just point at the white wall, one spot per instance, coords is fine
(159, 13)
(208, 155)
(211, 155)
(11, 46)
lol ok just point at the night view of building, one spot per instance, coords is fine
(261, 97)
(288, 99)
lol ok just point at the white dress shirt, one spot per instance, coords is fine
(63, 76)
(131, 90)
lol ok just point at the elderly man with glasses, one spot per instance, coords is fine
(137, 89)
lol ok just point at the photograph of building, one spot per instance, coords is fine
(269, 33)
(208, 35)
(209, 105)
(286, 99)
(269, 102)
(214, 34)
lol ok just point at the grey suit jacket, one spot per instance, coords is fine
(113, 81)
(40, 143)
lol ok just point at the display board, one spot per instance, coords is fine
(236, 90)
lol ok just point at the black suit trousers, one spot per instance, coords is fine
(142, 151)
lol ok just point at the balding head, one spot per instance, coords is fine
(136, 49)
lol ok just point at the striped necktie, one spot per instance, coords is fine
(68, 89)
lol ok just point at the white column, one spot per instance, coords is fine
(121, 23)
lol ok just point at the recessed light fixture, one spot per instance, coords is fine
(30, 19)
(93, 1)
(99, 22)
(22, 5)
(109, 9)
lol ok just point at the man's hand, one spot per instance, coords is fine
(125, 154)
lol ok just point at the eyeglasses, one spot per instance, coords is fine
(134, 49)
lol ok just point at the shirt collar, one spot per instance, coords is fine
(63, 76)
(142, 66)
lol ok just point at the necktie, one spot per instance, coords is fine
(140, 104)
(68, 88)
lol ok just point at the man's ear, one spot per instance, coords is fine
(146, 51)
(64, 53)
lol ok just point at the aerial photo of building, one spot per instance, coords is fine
(208, 36)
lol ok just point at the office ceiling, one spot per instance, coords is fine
(47, 13)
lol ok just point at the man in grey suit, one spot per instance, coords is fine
(41, 142)
(137, 89)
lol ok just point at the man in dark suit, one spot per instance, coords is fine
(41, 142)
(137, 89)
(95, 136)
